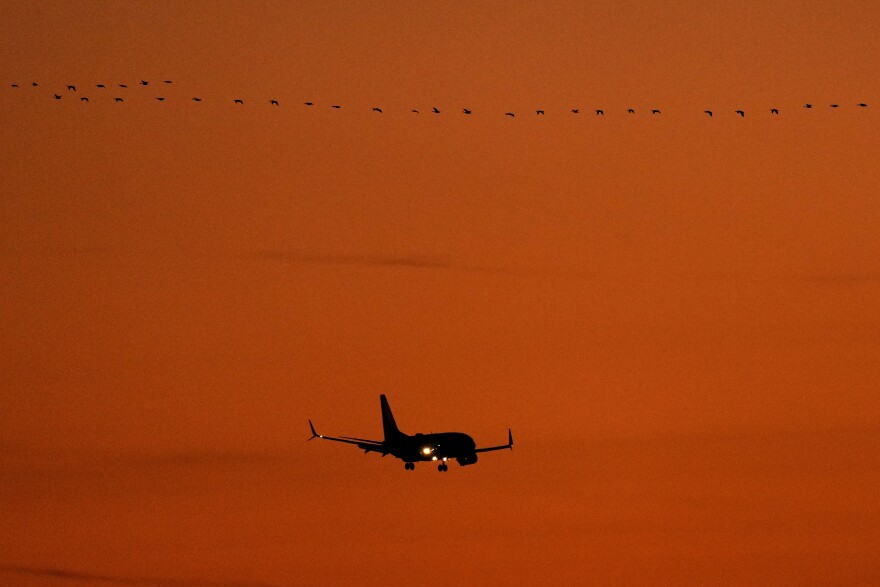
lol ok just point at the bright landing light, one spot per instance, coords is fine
(426, 450)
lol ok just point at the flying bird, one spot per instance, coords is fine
(273, 102)
(197, 99)
(541, 112)
(862, 105)
(161, 99)
(309, 103)
(71, 88)
(600, 113)
(167, 81)
(117, 99)
(123, 86)
(99, 85)
(834, 105)
(14, 85)
(336, 106)
(808, 105)
(575, 110)
(414, 111)
(774, 111)
(465, 111)
(630, 111)
(145, 83)
(83, 99)
(709, 112)
(655, 111)
(510, 114)
(436, 111)
(57, 97)
(376, 109)
(34, 84)
(741, 113)
(237, 101)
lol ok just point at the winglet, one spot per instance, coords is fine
(314, 434)
(509, 439)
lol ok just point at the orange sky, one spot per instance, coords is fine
(677, 315)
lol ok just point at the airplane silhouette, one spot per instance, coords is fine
(440, 447)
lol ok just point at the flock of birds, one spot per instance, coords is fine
(274, 102)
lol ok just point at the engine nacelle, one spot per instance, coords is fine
(467, 459)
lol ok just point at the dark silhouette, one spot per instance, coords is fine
(34, 84)
(465, 111)
(117, 99)
(741, 113)
(630, 111)
(808, 105)
(541, 112)
(160, 98)
(709, 112)
(862, 105)
(309, 103)
(435, 110)
(14, 85)
(167, 81)
(510, 114)
(197, 99)
(71, 88)
(655, 111)
(237, 101)
(376, 109)
(774, 111)
(57, 97)
(575, 110)
(99, 85)
(273, 103)
(414, 111)
(145, 83)
(123, 86)
(83, 99)
(600, 113)
(336, 106)
(834, 105)
(440, 447)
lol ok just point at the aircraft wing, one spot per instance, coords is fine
(502, 447)
(362, 443)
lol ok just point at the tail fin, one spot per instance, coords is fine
(388, 424)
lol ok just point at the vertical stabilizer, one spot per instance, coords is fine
(389, 426)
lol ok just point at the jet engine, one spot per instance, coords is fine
(467, 459)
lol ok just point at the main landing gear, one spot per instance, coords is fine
(410, 466)
(442, 467)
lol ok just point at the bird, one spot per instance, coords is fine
(83, 99)
(117, 99)
(436, 111)
(630, 111)
(862, 105)
(377, 109)
(465, 111)
(123, 86)
(309, 103)
(57, 97)
(71, 88)
(774, 111)
(273, 102)
(510, 114)
(14, 85)
(34, 84)
(160, 98)
(655, 111)
(808, 105)
(741, 113)
(575, 110)
(237, 101)
(600, 113)
(834, 105)
(414, 111)
(167, 81)
(145, 83)
(99, 85)
(197, 99)
(335, 106)
(709, 112)
(541, 112)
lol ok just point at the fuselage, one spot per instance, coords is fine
(439, 446)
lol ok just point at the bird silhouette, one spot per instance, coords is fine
(630, 111)
(376, 109)
(808, 105)
(414, 111)
(99, 85)
(862, 105)
(117, 99)
(600, 113)
(83, 99)
(273, 103)
(655, 111)
(435, 110)
(741, 113)
(167, 81)
(465, 111)
(197, 99)
(71, 88)
(123, 86)
(57, 97)
(709, 112)
(834, 105)
(336, 106)
(510, 114)
(14, 85)
(34, 84)
(309, 103)
(237, 101)
(145, 83)
(575, 110)
(160, 98)
(541, 112)
(774, 111)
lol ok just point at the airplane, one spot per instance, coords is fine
(439, 447)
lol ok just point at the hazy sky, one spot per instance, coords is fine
(677, 315)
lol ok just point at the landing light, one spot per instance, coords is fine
(433, 458)
(426, 450)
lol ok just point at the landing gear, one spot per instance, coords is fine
(409, 466)
(442, 467)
